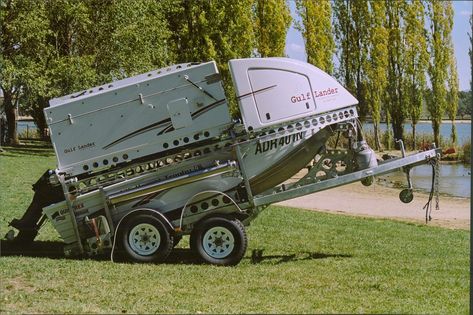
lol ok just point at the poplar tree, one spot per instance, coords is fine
(351, 35)
(273, 19)
(396, 68)
(441, 23)
(471, 53)
(416, 61)
(316, 29)
(235, 38)
(343, 30)
(376, 64)
(452, 96)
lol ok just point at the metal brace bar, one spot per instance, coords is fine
(107, 211)
(71, 213)
(406, 169)
(412, 160)
(245, 175)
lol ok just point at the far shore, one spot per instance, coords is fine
(444, 121)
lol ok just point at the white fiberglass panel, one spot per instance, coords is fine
(283, 87)
(277, 94)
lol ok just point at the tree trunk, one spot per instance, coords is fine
(398, 130)
(414, 140)
(11, 114)
(436, 127)
(377, 142)
(454, 133)
(388, 131)
(39, 118)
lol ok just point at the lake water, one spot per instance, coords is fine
(463, 129)
(24, 124)
(455, 179)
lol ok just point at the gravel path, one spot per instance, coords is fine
(383, 202)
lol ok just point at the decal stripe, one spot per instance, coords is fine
(163, 123)
(138, 132)
(148, 198)
(254, 92)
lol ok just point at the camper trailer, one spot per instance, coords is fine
(147, 159)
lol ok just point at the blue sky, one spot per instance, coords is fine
(461, 27)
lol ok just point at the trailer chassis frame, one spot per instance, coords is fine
(281, 193)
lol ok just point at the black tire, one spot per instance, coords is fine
(145, 238)
(219, 241)
(406, 195)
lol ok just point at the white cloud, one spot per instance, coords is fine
(296, 48)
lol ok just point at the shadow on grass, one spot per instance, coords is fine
(38, 148)
(45, 249)
(258, 257)
(55, 250)
(184, 256)
(22, 151)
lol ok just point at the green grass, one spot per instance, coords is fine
(312, 263)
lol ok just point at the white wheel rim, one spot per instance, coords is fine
(144, 239)
(218, 242)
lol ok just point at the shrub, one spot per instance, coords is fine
(466, 150)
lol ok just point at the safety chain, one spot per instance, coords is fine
(437, 181)
(434, 191)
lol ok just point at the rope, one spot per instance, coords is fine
(428, 206)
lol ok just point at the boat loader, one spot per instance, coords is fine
(147, 159)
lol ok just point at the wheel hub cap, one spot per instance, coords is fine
(144, 239)
(218, 242)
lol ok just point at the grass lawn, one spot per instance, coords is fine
(312, 263)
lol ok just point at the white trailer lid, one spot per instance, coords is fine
(274, 90)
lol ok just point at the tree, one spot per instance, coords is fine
(351, 35)
(396, 68)
(464, 103)
(93, 42)
(212, 30)
(316, 29)
(23, 33)
(441, 23)
(273, 19)
(470, 52)
(128, 37)
(376, 79)
(416, 61)
(452, 95)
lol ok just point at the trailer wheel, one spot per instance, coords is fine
(146, 239)
(220, 241)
